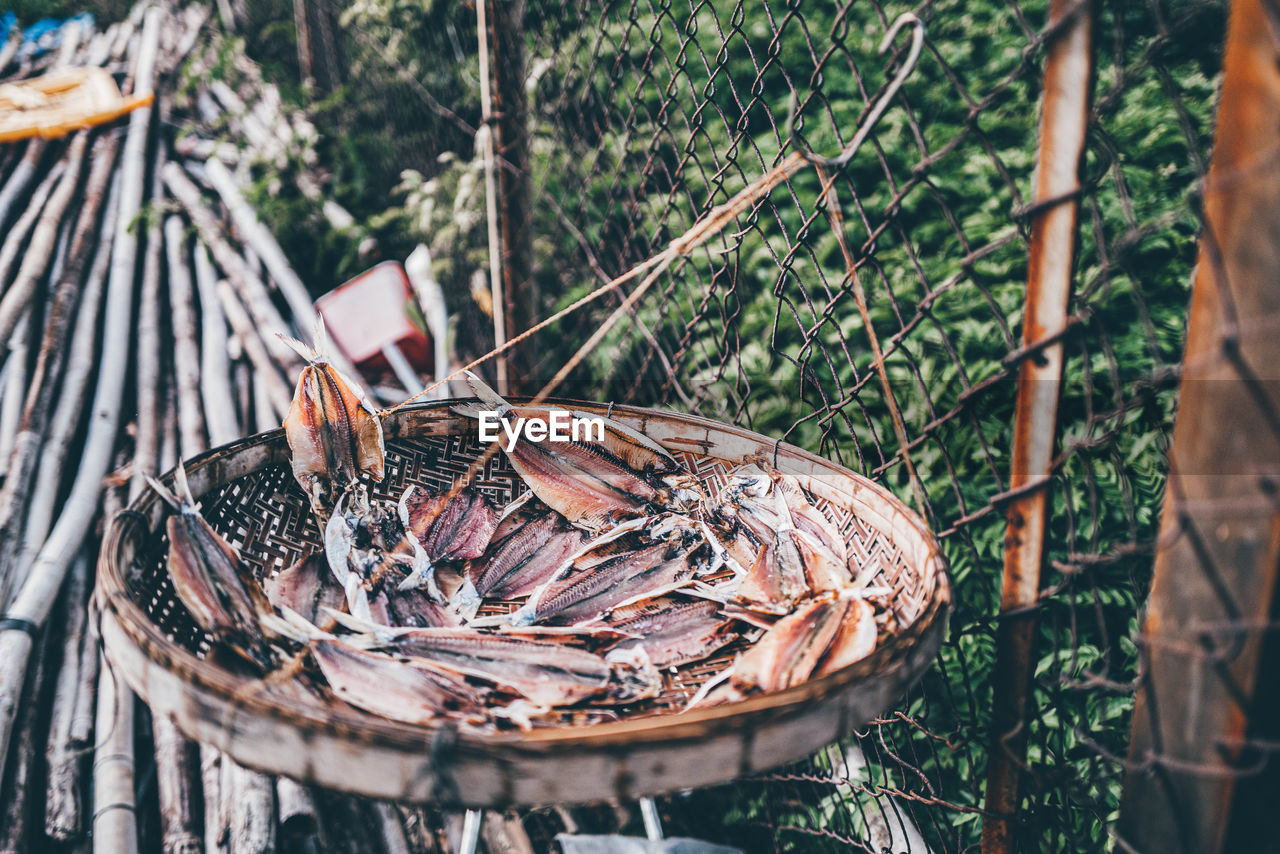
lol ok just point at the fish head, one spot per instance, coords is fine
(632, 675)
(683, 492)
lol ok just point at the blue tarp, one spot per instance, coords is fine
(46, 34)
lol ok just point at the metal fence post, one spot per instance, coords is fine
(511, 142)
(1214, 592)
(1068, 78)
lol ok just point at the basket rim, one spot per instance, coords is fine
(112, 596)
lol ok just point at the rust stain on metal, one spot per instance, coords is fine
(1068, 82)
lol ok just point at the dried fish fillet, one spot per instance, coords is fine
(594, 483)
(334, 435)
(524, 560)
(394, 688)
(306, 587)
(855, 640)
(799, 552)
(455, 526)
(207, 574)
(640, 566)
(792, 651)
(546, 673)
(414, 608)
(674, 631)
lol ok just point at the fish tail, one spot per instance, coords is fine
(383, 634)
(292, 625)
(466, 600)
(307, 353)
(165, 493)
(487, 395)
(184, 488)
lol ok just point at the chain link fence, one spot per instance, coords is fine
(643, 115)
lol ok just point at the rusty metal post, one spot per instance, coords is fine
(509, 121)
(1213, 596)
(1068, 79)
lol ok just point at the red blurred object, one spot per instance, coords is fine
(370, 313)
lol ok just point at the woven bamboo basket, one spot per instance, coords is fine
(248, 495)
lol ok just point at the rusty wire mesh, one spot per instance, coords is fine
(643, 115)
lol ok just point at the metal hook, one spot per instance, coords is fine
(907, 19)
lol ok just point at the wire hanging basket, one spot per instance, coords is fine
(248, 495)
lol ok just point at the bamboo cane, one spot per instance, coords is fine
(146, 450)
(265, 414)
(259, 238)
(65, 420)
(299, 820)
(15, 238)
(36, 596)
(114, 804)
(15, 387)
(21, 177)
(32, 432)
(62, 816)
(186, 349)
(215, 369)
(16, 812)
(243, 327)
(35, 260)
(263, 244)
(250, 288)
(83, 717)
(211, 785)
(252, 799)
(177, 765)
(390, 828)
(114, 822)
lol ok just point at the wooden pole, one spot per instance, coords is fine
(1214, 594)
(64, 785)
(509, 118)
(34, 600)
(1068, 79)
(33, 433)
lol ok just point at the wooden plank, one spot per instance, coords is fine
(1215, 573)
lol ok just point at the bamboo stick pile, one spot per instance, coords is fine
(139, 297)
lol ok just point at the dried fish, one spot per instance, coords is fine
(334, 435)
(450, 525)
(598, 482)
(800, 644)
(527, 557)
(364, 541)
(398, 688)
(617, 571)
(415, 608)
(546, 673)
(305, 587)
(223, 597)
(439, 527)
(856, 638)
(789, 550)
(673, 631)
